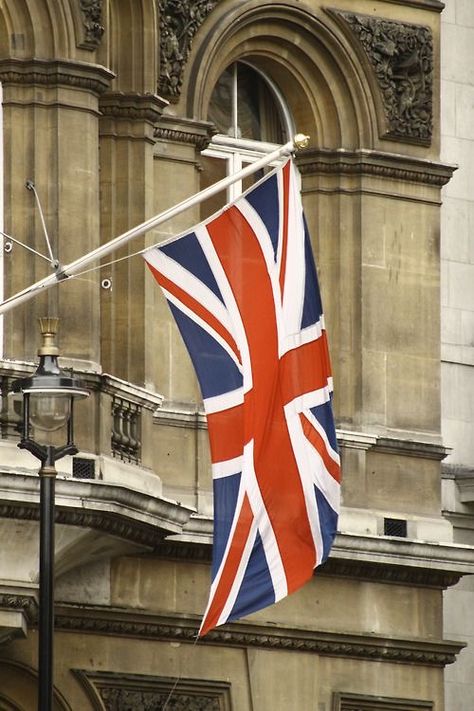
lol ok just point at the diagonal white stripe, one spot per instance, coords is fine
(228, 467)
(267, 534)
(236, 326)
(217, 403)
(204, 325)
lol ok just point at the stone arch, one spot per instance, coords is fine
(42, 29)
(133, 45)
(306, 55)
(19, 688)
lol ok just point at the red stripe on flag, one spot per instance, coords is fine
(305, 369)
(274, 461)
(197, 308)
(231, 566)
(226, 433)
(318, 443)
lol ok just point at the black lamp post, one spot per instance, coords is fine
(48, 398)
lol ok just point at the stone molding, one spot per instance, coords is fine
(437, 653)
(401, 56)
(180, 415)
(179, 22)
(132, 107)
(56, 72)
(190, 415)
(92, 24)
(183, 130)
(365, 162)
(148, 399)
(411, 448)
(434, 5)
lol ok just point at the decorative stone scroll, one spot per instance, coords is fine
(179, 22)
(401, 55)
(92, 23)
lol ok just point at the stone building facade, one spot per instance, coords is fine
(457, 325)
(117, 110)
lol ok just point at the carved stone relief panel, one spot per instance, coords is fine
(140, 692)
(401, 56)
(179, 22)
(91, 11)
(361, 702)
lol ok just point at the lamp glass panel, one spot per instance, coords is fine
(49, 412)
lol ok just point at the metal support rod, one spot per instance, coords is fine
(47, 475)
(31, 186)
(69, 270)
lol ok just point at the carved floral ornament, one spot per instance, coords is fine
(179, 22)
(402, 57)
(92, 23)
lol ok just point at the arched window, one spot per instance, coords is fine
(251, 118)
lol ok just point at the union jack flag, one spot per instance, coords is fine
(243, 289)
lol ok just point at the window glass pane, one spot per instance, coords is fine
(220, 107)
(258, 115)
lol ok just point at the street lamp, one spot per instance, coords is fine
(48, 399)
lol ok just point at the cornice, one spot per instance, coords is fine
(115, 622)
(132, 107)
(112, 509)
(183, 130)
(56, 72)
(364, 162)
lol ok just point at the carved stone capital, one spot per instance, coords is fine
(401, 56)
(56, 72)
(182, 130)
(179, 22)
(17, 610)
(132, 107)
(92, 24)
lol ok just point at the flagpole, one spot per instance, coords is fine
(63, 273)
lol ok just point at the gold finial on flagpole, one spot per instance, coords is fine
(301, 141)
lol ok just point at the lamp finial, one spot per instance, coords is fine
(49, 329)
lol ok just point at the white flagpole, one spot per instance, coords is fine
(69, 270)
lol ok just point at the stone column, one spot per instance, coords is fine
(51, 137)
(127, 199)
(177, 151)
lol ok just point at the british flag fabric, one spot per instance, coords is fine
(243, 290)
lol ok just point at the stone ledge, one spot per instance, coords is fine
(114, 510)
(113, 621)
(365, 557)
